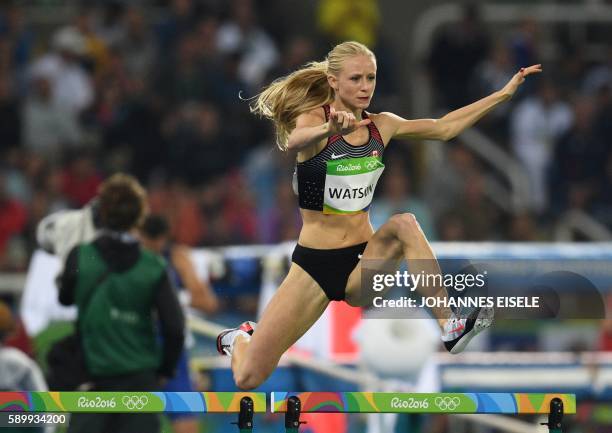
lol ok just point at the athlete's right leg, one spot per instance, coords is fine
(294, 308)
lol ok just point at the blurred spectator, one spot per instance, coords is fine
(136, 45)
(599, 76)
(183, 82)
(603, 202)
(479, 218)
(451, 228)
(455, 53)
(13, 220)
(491, 76)
(17, 182)
(192, 291)
(523, 228)
(602, 124)
(571, 72)
(445, 180)
(10, 119)
(238, 211)
(19, 39)
(109, 24)
(179, 204)
(536, 124)
(281, 221)
(71, 88)
(209, 56)
(95, 50)
(80, 180)
(578, 164)
(346, 20)
(298, 52)
(524, 43)
(178, 20)
(198, 149)
(48, 129)
(242, 35)
(155, 236)
(397, 197)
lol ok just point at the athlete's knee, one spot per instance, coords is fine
(250, 378)
(404, 222)
(247, 381)
(406, 228)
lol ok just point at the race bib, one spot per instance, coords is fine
(350, 184)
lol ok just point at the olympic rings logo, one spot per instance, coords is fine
(447, 403)
(135, 401)
(371, 165)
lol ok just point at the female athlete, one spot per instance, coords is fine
(319, 112)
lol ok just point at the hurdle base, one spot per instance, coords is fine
(555, 416)
(292, 416)
(245, 416)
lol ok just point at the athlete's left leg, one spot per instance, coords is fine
(402, 237)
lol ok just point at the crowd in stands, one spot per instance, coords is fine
(163, 93)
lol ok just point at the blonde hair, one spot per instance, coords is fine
(303, 90)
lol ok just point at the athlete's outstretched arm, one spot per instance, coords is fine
(311, 128)
(459, 120)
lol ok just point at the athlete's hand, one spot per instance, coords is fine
(343, 122)
(519, 78)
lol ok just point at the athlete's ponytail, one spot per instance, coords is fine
(303, 90)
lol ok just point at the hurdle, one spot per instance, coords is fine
(295, 403)
(245, 404)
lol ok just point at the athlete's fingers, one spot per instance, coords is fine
(534, 69)
(351, 121)
(340, 118)
(346, 121)
(364, 122)
(332, 113)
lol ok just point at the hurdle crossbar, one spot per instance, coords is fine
(438, 403)
(132, 402)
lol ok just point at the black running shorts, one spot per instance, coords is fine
(329, 268)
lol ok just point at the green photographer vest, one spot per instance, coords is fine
(117, 327)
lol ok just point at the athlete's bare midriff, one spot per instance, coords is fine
(326, 232)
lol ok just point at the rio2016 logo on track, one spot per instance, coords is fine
(135, 401)
(447, 403)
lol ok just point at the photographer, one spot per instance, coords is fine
(117, 287)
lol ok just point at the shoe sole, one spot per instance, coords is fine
(483, 321)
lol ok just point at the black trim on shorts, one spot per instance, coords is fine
(329, 268)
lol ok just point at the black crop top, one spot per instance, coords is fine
(311, 175)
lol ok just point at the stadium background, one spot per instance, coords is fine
(153, 89)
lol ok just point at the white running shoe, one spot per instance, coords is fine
(225, 340)
(458, 332)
